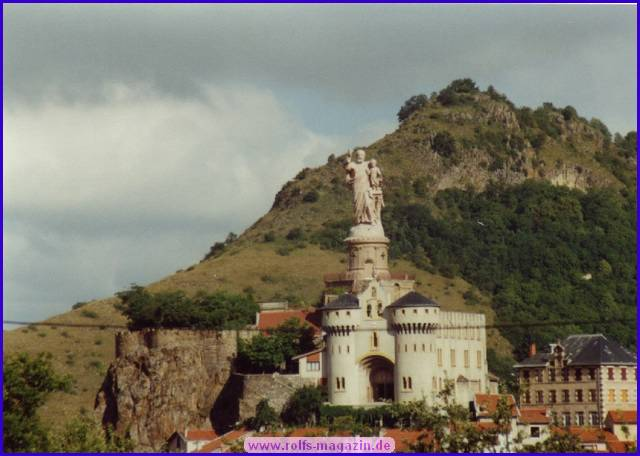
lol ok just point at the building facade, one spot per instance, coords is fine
(386, 342)
(580, 379)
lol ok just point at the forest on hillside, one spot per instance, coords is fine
(544, 253)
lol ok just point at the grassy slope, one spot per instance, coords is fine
(250, 263)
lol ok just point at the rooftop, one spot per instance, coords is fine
(271, 319)
(486, 404)
(344, 301)
(622, 416)
(414, 299)
(585, 350)
(534, 415)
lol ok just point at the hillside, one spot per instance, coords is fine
(461, 145)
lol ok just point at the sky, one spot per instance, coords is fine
(136, 136)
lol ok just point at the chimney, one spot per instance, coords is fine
(532, 349)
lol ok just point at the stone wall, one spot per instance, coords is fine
(165, 380)
(275, 387)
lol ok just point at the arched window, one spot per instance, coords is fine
(409, 383)
(374, 292)
(404, 382)
(374, 340)
(369, 310)
(379, 309)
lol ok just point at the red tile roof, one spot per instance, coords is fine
(271, 319)
(201, 434)
(403, 438)
(308, 432)
(487, 404)
(619, 447)
(589, 434)
(622, 416)
(225, 439)
(534, 415)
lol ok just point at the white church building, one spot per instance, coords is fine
(383, 341)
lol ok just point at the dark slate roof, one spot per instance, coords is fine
(414, 299)
(595, 349)
(584, 350)
(539, 359)
(344, 301)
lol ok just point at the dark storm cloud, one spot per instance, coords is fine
(377, 54)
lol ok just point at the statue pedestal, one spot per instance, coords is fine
(368, 249)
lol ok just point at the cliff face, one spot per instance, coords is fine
(165, 380)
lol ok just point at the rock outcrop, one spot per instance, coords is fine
(165, 380)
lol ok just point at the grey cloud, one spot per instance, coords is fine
(374, 55)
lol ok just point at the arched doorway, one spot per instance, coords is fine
(380, 374)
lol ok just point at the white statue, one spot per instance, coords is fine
(365, 178)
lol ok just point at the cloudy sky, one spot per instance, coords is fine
(136, 136)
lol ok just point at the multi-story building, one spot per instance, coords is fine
(579, 379)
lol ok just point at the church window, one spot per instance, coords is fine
(439, 357)
(426, 311)
(403, 312)
(415, 311)
(348, 313)
(374, 292)
(453, 358)
(423, 347)
(369, 310)
(405, 348)
(379, 309)
(337, 314)
(415, 347)
(409, 383)
(374, 340)
(343, 387)
(404, 382)
(347, 349)
(337, 382)
(466, 358)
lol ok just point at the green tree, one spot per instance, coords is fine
(412, 105)
(84, 435)
(266, 416)
(273, 351)
(502, 418)
(558, 442)
(27, 383)
(303, 407)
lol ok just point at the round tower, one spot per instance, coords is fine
(340, 322)
(414, 319)
(368, 250)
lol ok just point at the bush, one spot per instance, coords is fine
(332, 235)
(303, 407)
(273, 351)
(569, 113)
(311, 196)
(266, 416)
(295, 234)
(88, 313)
(412, 105)
(219, 310)
(78, 305)
(269, 237)
(444, 144)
